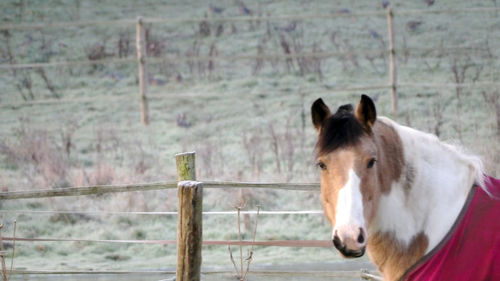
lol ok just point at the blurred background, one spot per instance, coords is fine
(233, 81)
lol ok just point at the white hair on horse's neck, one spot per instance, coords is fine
(455, 149)
(468, 158)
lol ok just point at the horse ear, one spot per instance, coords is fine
(366, 113)
(319, 113)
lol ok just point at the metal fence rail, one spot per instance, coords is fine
(311, 274)
(275, 243)
(208, 213)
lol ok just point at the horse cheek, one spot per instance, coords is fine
(328, 201)
(370, 200)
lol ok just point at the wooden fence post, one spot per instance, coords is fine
(2, 256)
(141, 62)
(189, 226)
(392, 61)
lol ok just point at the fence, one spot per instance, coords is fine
(189, 230)
(142, 59)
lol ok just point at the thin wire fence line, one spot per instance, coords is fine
(68, 63)
(153, 60)
(276, 243)
(67, 100)
(316, 91)
(208, 213)
(316, 55)
(447, 11)
(332, 15)
(449, 85)
(182, 95)
(27, 26)
(451, 48)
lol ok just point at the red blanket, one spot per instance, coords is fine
(471, 251)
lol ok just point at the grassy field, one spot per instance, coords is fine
(247, 119)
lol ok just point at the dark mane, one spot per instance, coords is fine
(339, 130)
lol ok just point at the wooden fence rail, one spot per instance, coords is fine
(88, 190)
(102, 189)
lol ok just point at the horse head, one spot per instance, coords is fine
(352, 177)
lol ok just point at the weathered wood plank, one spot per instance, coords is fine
(189, 225)
(141, 66)
(185, 164)
(101, 189)
(87, 190)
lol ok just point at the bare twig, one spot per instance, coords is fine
(48, 83)
(241, 246)
(250, 253)
(232, 259)
(13, 248)
(492, 100)
(240, 274)
(275, 147)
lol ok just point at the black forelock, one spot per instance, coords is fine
(339, 130)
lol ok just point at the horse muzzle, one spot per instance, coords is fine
(348, 247)
(346, 253)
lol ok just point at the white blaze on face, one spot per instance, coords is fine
(349, 212)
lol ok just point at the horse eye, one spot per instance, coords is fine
(371, 163)
(321, 165)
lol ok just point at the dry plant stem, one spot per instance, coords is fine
(241, 246)
(13, 248)
(2, 256)
(250, 254)
(232, 259)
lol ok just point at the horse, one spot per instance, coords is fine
(421, 208)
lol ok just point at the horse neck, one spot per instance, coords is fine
(422, 205)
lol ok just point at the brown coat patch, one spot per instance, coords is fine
(392, 258)
(390, 155)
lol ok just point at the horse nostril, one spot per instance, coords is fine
(361, 237)
(336, 242)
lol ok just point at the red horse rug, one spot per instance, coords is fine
(471, 250)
